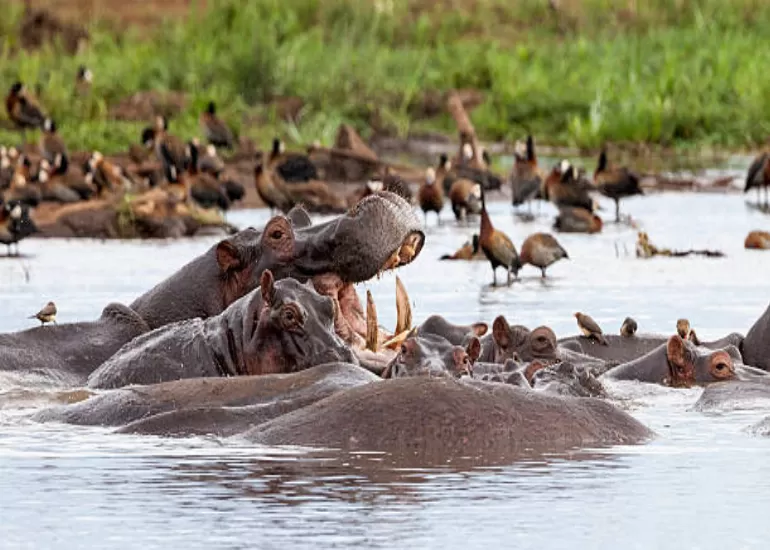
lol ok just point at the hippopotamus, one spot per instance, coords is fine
(680, 363)
(458, 335)
(735, 395)
(431, 355)
(427, 420)
(221, 406)
(381, 232)
(517, 341)
(282, 327)
(755, 347)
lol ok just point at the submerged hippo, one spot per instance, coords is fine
(680, 363)
(431, 355)
(381, 232)
(517, 341)
(458, 335)
(279, 328)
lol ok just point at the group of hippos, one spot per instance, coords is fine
(264, 337)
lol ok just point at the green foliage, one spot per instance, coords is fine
(670, 72)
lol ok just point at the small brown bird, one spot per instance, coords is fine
(468, 251)
(46, 315)
(431, 196)
(22, 107)
(590, 328)
(615, 183)
(215, 129)
(758, 176)
(685, 332)
(526, 178)
(541, 250)
(628, 328)
(497, 246)
(52, 147)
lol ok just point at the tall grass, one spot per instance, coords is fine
(680, 73)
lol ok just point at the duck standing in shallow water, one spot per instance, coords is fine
(468, 251)
(542, 250)
(758, 175)
(615, 183)
(526, 179)
(497, 246)
(431, 196)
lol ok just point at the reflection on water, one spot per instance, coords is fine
(702, 483)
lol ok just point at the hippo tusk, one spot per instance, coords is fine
(396, 340)
(403, 308)
(392, 261)
(372, 330)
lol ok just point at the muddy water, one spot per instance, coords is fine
(703, 483)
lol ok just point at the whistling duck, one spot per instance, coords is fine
(757, 240)
(526, 178)
(615, 183)
(466, 197)
(15, 224)
(106, 175)
(52, 147)
(497, 246)
(541, 250)
(209, 161)
(23, 109)
(577, 220)
(21, 189)
(215, 129)
(270, 190)
(431, 196)
(176, 182)
(464, 168)
(468, 251)
(175, 151)
(53, 189)
(205, 189)
(83, 80)
(291, 167)
(564, 187)
(759, 175)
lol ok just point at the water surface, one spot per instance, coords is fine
(702, 483)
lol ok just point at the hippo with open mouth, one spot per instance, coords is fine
(380, 233)
(281, 327)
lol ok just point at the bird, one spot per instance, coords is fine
(270, 190)
(105, 175)
(497, 246)
(526, 178)
(291, 167)
(465, 196)
(52, 147)
(205, 189)
(210, 161)
(431, 195)
(685, 332)
(23, 109)
(564, 187)
(215, 129)
(15, 224)
(615, 183)
(577, 220)
(46, 315)
(173, 157)
(590, 328)
(467, 251)
(628, 328)
(83, 80)
(758, 175)
(464, 166)
(541, 250)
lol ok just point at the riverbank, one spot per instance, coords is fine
(685, 76)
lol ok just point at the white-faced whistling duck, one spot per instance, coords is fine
(526, 178)
(205, 189)
(615, 183)
(175, 150)
(497, 246)
(15, 224)
(22, 107)
(541, 250)
(83, 80)
(564, 187)
(467, 251)
(271, 191)
(466, 197)
(215, 129)
(431, 195)
(759, 240)
(291, 167)
(52, 147)
(577, 220)
(758, 176)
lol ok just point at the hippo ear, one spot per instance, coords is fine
(501, 331)
(675, 351)
(479, 329)
(299, 217)
(228, 257)
(267, 286)
(473, 349)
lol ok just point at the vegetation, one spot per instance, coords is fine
(676, 73)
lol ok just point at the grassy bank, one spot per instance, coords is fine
(677, 73)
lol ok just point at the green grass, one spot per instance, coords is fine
(674, 73)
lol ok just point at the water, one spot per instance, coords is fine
(702, 483)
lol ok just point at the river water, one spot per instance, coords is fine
(701, 483)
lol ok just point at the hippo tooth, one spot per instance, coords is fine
(396, 340)
(393, 260)
(372, 330)
(403, 308)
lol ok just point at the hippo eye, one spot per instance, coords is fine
(276, 234)
(466, 360)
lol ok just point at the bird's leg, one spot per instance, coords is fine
(494, 276)
(617, 211)
(509, 276)
(425, 218)
(438, 219)
(542, 272)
